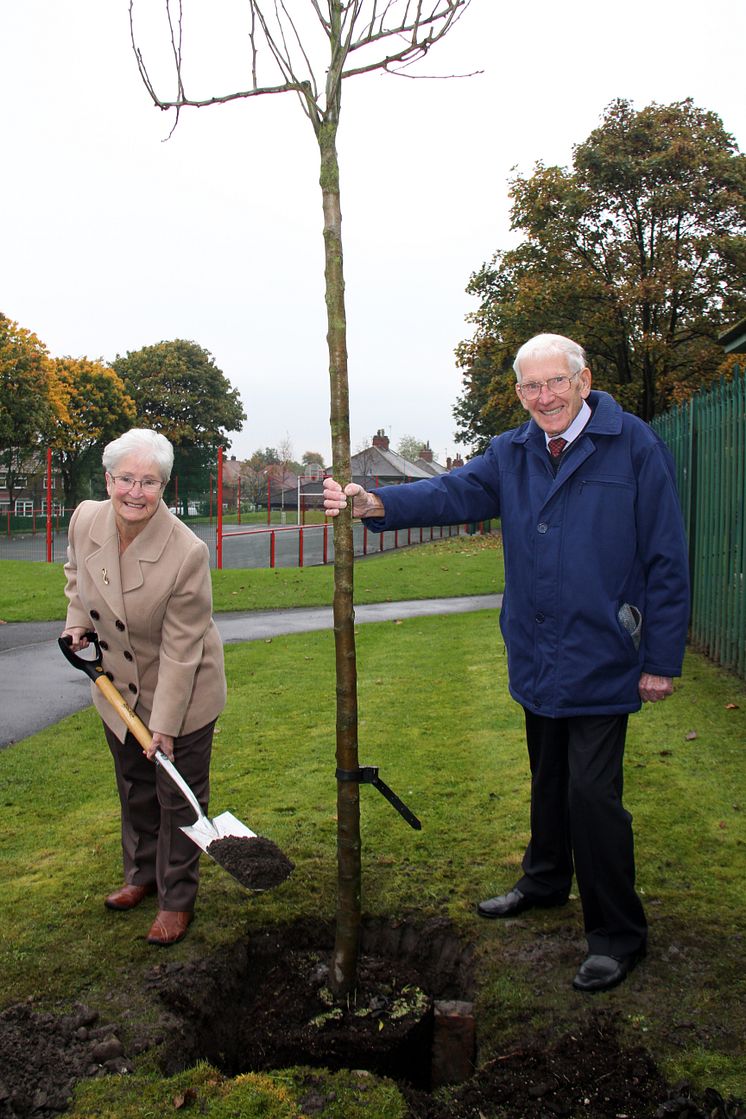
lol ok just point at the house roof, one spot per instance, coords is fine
(430, 468)
(375, 462)
(733, 340)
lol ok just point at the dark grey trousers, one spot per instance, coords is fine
(154, 849)
(578, 822)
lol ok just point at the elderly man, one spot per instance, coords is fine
(594, 619)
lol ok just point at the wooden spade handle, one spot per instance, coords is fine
(94, 670)
(125, 712)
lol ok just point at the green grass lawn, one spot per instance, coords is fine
(436, 717)
(463, 565)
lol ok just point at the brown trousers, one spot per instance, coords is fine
(154, 849)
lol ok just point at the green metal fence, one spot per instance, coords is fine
(707, 437)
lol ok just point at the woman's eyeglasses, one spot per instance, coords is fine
(125, 482)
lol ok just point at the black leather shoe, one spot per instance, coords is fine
(513, 903)
(601, 973)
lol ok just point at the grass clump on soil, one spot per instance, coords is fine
(455, 566)
(291, 1094)
(436, 717)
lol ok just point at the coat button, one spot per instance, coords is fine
(127, 655)
(104, 644)
(95, 615)
(540, 618)
(132, 688)
(542, 527)
(119, 625)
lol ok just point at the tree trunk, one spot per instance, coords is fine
(346, 946)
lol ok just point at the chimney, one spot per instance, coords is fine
(453, 463)
(381, 440)
(426, 454)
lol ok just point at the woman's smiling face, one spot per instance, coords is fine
(133, 504)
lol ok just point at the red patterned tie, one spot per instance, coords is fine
(557, 446)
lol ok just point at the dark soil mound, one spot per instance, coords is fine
(42, 1055)
(589, 1074)
(257, 863)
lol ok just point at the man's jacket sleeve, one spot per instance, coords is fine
(663, 551)
(469, 493)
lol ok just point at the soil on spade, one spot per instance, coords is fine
(264, 1003)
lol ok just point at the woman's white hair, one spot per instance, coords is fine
(143, 442)
(542, 345)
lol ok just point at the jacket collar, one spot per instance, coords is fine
(606, 420)
(147, 547)
(148, 544)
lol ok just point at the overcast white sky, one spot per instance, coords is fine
(112, 239)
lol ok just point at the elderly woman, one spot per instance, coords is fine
(141, 579)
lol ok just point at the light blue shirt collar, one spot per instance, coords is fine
(575, 428)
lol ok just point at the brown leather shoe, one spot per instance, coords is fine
(127, 896)
(169, 927)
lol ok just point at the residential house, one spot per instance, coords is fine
(281, 487)
(26, 495)
(426, 461)
(378, 465)
(733, 340)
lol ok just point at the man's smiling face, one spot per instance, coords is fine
(553, 411)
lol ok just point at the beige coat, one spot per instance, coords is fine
(152, 611)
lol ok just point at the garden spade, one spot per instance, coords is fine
(242, 858)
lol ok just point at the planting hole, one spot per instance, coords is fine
(265, 1003)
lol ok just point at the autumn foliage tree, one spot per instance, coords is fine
(638, 252)
(309, 49)
(31, 400)
(97, 409)
(179, 390)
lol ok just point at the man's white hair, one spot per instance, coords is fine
(542, 345)
(144, 442)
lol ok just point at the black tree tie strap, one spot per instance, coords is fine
(368, 775)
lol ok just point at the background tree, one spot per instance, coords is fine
(638, 252)
(409, 447)
(286, 453)
(179, 390)
(31, 401)
(267, 456)
(309, 50)
(312, 458)
(98, 410)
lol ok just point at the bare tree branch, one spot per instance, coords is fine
(419, 26)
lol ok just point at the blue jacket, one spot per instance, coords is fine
(606, 531)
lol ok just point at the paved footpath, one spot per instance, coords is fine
(38, 687)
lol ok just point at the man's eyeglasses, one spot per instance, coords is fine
(531, 390)
(125, 482)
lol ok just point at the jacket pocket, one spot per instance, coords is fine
(630, 619)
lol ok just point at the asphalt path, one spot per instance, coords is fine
(38, 687)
